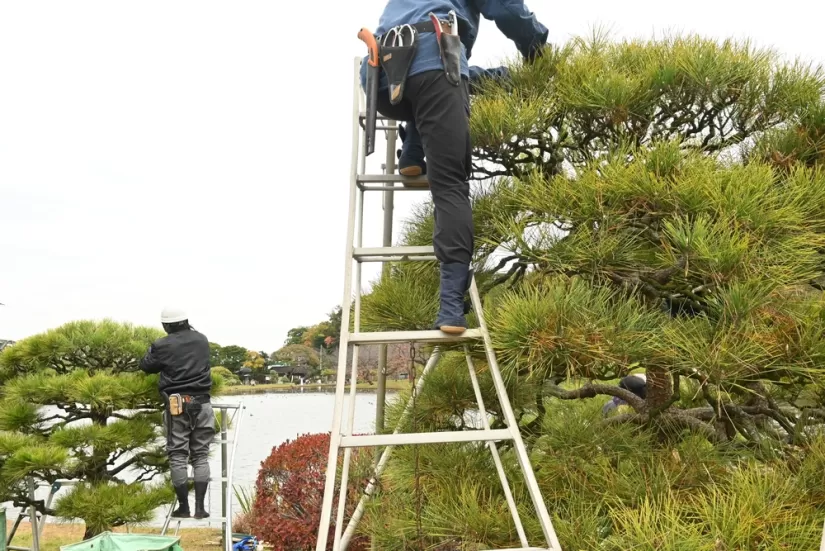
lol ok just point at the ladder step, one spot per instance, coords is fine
(383, 254)
(391, 337)
(378, 116)
(193, 519)
(371, 440)
(409, 182)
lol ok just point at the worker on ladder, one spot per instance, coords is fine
(182, 359)
(411, 155)
(425, 45)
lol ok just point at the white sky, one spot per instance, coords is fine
(194, 152)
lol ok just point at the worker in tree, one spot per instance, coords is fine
(635, 383)
(425, 45)
(182, 359)
(411, 155)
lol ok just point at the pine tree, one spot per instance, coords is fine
(75, 406)
(654, 206)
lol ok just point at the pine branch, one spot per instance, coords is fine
(591, 390)
(131, 461)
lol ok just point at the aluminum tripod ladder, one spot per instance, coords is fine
(225, 420)
(342, 437)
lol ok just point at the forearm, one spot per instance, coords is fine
(150, 364)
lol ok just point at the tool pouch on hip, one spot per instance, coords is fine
(175, 404)
(450, 47)
(396, 62)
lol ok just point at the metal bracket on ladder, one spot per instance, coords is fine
(342, 438)
(227, 471)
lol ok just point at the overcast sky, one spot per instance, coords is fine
(194, 153)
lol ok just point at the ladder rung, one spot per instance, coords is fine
(193, 519)
(383, 254)
(378, 116)
(410, 182)
(391, 337)
(425, 438)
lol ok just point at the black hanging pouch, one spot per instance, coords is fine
(451, 57)
(450, 47)
(397, 56)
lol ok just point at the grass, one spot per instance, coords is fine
(57, 534)
(263, 389)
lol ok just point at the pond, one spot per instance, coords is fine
(268, 420)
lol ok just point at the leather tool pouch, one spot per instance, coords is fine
(450, 47)
(396, 62)
(175, 404)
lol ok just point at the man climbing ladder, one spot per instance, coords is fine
(424, 81)
(423, 78)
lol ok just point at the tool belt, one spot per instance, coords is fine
(424, 27)
(397, 48)
(178, 403)
(197, 399)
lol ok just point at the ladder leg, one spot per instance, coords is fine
(14, 527)
(335, 435)
(33, 517)
(353, 379)
(385, 456)
(507, 409)
(494, 451)
(342, 495)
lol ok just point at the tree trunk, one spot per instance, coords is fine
(99, 460)
(659, 387)
(89, 533)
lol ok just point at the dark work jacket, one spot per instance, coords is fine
(182, 359)
(512, 17)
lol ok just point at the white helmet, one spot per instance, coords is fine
(172, 315)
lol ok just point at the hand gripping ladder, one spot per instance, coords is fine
(343, 438)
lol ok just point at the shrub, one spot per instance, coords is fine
(286, 512)
(229, 378)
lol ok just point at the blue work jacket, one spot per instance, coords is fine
(511, 17)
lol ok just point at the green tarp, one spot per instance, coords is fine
(109, 541)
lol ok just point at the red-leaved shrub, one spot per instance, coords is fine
(290, 489)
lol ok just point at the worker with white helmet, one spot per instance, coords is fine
(182, 360)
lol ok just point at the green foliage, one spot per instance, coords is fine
(566, 327)
(228, 378)
(295, 335)
(254, 360)
(88, 345)
(324, 334)
(607, 487)
(231, 357)
(640, 206)
(75, 406)
(297, 354)
(245, 497)
(102, 506)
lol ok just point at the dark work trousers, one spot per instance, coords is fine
(441, 113)
(188, 438)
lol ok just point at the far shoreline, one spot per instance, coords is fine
(236, 390)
